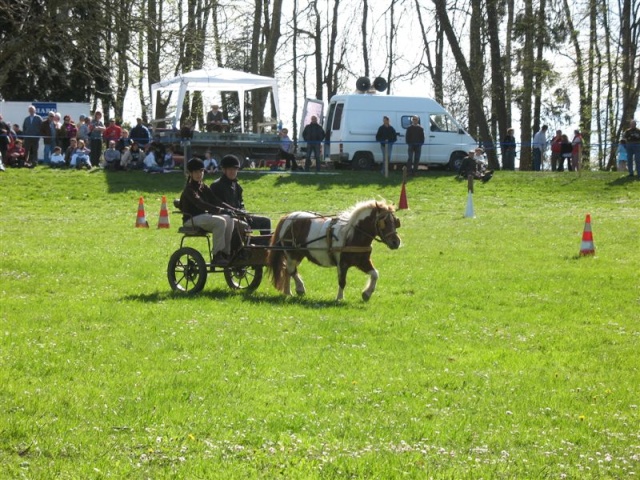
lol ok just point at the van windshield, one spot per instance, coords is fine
(442, 123)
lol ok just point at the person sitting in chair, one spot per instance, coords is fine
(214, 119)
(228, 190)
(200, 208)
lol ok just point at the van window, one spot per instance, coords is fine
(405, 121)
(337, 117)
(442, 123)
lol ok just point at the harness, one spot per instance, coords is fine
(330, 236)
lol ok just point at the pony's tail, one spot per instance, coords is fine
(276, 261)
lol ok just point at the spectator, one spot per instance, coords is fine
(158, 149)
(150, 163)
(313, 134)
(124, 141)
(57, 158)
(509, 151)
(386, 136)
(286, 150)
(229, 192)
(556, 158)
(31, 134)
(17, 131)
(539, 146)
(565, 151)
(214, 119)
(474, 167)
(84, 128)
(112, 132)
(48, 133)
(201, 208)
(73, 145)
(81, 157)
(140, 134)
(96, 129)
(632, 137)
(210, 163)
(17, 156)
(168, 163)
(112, 157)
(415, 140)
(576, 153)
(5, 138)
(132, 158)
(622, 155)
(67, 131)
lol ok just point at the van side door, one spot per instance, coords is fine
(443, 136)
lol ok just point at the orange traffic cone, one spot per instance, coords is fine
(587, 247)
(141, 220)
(163, 222)
(403, 205)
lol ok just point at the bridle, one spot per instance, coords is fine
(380, 224)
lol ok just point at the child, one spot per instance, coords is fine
(57, 158)
(210, 164)
(622, 156)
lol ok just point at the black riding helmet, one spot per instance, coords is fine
(195, 164)
(230, 161)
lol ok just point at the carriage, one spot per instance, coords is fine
(188, 267)
(340, 241)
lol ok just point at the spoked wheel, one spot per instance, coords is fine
(243, 278)
(187, 271)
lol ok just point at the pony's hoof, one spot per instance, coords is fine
(300, 293)
(366, 296)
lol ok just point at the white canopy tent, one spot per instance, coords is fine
(215, 79)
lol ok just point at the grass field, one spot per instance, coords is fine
(490, 349)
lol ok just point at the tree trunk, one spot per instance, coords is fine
(473, 91)
(365, 48)
(527, 87)
(498, 94)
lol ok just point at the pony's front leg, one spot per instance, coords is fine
(342, 282)
(300, 289)
(370, 287)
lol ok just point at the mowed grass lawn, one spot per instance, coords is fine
(490, 349)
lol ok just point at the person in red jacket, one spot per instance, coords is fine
(112, 132)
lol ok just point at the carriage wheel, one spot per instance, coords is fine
(187, 271)
(243, 278)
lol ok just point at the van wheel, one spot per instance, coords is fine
(362, 161)
(456, 161)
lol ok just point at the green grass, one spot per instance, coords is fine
(490, 349)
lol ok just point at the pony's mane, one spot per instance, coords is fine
(351, 215)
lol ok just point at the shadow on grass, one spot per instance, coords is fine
(220, 294)
(625, 180)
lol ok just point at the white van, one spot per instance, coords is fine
(353, 120)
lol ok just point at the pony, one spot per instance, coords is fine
(341, 241)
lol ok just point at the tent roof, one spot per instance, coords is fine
(214, 79)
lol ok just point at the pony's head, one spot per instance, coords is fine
(386, 225)
(375, 219)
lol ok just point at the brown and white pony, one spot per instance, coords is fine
(342, 241)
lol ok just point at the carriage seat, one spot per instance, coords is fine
(188, 230)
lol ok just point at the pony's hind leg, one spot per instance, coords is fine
(292, 272)
(370, 287)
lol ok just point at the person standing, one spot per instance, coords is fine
(539, 146)
(556, 158)
(622, 155)
(31, 136)
(509, 151)
(5, 139)
(96, 129)
(313, 134)
(113, 132)
(632, 137)
(386, 136)
(415, 140)
(67, 131)
(576, 151)
(140, 134)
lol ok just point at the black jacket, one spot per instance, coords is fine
(228, 191)
(197, 199)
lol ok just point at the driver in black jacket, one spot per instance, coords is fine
(229, 192)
